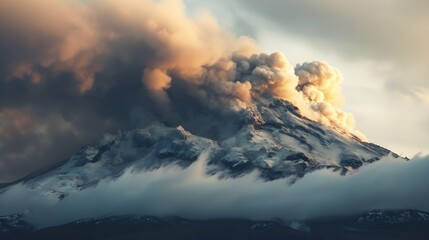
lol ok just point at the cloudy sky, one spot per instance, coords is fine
(71, 71)
(380, 47)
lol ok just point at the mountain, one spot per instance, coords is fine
(383, 217)
(14, 223)
(270, 136)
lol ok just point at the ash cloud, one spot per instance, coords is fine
(391, 183)
(73, 70)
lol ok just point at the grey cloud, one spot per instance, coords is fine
(243, 27)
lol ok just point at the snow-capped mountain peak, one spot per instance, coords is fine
(270, 136)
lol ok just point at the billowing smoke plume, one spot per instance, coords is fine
(314, 87)
(73, 70)
(391, 183)
(320, 85)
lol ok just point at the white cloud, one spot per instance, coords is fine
(387, 184)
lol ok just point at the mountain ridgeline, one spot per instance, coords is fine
(271, 136)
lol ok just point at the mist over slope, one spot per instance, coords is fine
(195, 192)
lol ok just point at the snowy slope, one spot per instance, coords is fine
(13, 223)
(393, 217)
(269, 136)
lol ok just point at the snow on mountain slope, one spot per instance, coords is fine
(269, 136)
(386, 217)
(14, 223)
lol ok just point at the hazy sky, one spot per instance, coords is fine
(380, 48)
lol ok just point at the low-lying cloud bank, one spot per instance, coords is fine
(390, 183)
(73, 70)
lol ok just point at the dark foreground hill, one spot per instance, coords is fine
(377, 225)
